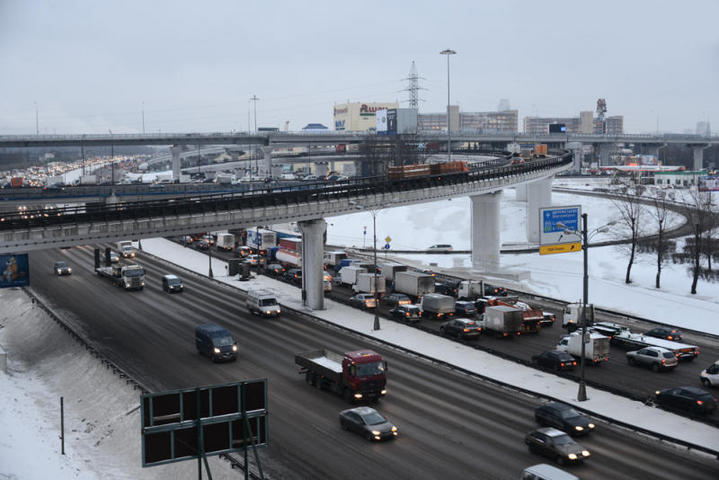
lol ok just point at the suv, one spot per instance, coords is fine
(396, 299)
(656, 358)
(407, 313)
(463, 328)
(466, 308)
(563, 417)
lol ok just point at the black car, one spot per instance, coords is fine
(666, 333)
(293, 275)
(555, 444)
(367, 422)
(465, 308)
(555, 359)
(445, 288)
(396, 299)
(61, 268)
(407, 313)
(275, 269)
(460, 328)
(563, 417)
(687, 399)
(494, 291)
(202, 244)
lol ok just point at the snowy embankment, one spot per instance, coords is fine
(102, 419)
(445, 350)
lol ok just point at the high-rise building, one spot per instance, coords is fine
(488, 122)
(585, 123)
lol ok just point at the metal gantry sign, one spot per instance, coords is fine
(559, 229)
(192, 423)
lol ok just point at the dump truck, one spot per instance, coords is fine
(504, 320)
(356, 376)
(596, 346)
(129, 277)
(366, 283)
(436, 305)
(414, 284)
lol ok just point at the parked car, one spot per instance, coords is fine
(555, 359)
(407, 313)
(461, 328)
(395, 299)
(61, 268)
(667, 333)
(710, 375)
(656, 358)
(293, 275)
(275, 269)
(440, 247)
(465, 308)
(172, 283)
(563, 417)
(367, 422)
(686, 399)
(363, 300)
(555, 444)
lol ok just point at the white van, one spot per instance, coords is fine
(263, 302)
(544, 471)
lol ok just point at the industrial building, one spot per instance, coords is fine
(486, 122)
(585, 123)
(359, 116)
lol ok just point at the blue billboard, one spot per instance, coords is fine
(14, 271)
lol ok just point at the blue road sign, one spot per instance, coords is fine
(555, 220)
(386, 246)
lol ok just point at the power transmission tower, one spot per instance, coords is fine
(413, 86)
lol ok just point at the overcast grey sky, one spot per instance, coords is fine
(91, 64)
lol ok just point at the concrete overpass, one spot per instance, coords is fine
(309, 205)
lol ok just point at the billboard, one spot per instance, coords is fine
(559, 229)
(14, 271)
(381, 122)
(557, 128)
(186, 424)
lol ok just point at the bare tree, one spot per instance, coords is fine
(660, 213)
(699, 213)
(630, 211)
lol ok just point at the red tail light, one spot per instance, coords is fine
(561, 364)
(663, 361)
(466, 330)
(574, 363)
(699, 402)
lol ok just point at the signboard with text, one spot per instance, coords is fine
(559, 229)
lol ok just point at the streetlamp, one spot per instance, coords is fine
(448, 52)
(584, 237)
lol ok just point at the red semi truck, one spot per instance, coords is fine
(356, 376)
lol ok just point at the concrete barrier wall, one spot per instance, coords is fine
(3, 360)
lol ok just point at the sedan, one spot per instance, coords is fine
(687, 399)
(656, 358)
(465, 307)
(61, 268)
(293, 275)
(494, 291)
(461, 328)
(367, 422)
(395, 299)
(202, 244)
(666, 333)
(275, 269)
(407, 313)
(710, 375)
(563, 417)
(555, 444)
(363, 300)
(555, 359)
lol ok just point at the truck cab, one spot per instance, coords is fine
(365, 373)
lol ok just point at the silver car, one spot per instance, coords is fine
(656, 358)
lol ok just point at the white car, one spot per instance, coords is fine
(710, 375)
(288, 176)
(441, 247)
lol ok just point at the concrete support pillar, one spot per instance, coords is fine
(604, 150)
(485, 232)
(699, 157)
(577, 149)
(358, 168)
(313, 243)
(539, 195)
(333, 166)
(521, 192)
(175, 150)
(267, 161)
(321, 169)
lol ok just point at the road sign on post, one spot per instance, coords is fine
(559, 230)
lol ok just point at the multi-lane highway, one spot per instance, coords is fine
(451, 425)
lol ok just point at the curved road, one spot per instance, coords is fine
(451, 425)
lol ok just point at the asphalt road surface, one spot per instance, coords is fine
(451, 425)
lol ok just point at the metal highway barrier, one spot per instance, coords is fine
(270, 197)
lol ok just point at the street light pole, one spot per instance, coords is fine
(448, 52)
(582, 395)
(374, 271)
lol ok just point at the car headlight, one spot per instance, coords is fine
(383, 391)
(591, 425)
(585, 453)
(703, 374)
(234, 348)
(142, 284)
(572, 456)
(58, 272)
(69, 270)
(578, 428)
(394, 429)
(358, 395)
(216, 350)
(376, 433)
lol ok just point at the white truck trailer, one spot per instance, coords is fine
(414, 284)
(503, 320)
(366, 283)
(596, 346)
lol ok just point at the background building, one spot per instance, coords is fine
(358, 116)
(504, 121)
(585, 123)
